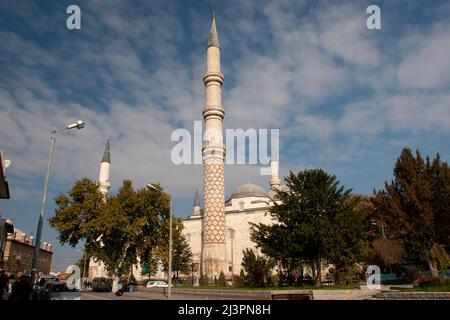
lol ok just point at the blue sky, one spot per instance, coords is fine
(345, 98)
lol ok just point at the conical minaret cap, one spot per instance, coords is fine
(196, 199)
(106, 153)
(213, 37)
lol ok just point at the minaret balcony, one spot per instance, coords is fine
(213, 77)
(213, 112)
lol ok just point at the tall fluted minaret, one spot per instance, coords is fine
(105, 164)
(213, 152)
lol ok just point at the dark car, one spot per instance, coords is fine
(102, 284)
(40, 284)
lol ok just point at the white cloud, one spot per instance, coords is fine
(364, 118)
(426, 65)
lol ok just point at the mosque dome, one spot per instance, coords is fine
(248, 190)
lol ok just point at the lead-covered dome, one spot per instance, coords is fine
(248, 190)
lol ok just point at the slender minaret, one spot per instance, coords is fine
(213, 152)
(99, 268)
(197, 211)
(274, 178)
(105, 164)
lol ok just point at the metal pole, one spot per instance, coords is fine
(169, 291)
(84, 267)
(232, 250)
(37, 242)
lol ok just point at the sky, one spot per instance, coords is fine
(345, 98)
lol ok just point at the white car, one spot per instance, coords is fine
(157, 284)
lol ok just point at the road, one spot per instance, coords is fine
(111, 296)
(137, 295)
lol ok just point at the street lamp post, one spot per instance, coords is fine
(232, 249)
(84, 266)
(169, 280)
(382, 229)
(37, 243)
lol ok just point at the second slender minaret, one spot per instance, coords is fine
(197, 210)
(213, 152)
(105, 164)
(274, 178)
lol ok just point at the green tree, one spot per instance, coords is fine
(316, 221)
(116, 230)
(415, 206)
(181, 251)
(258, 268)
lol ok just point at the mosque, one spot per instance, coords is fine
(220, 231)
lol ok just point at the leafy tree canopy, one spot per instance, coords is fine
(117, 229)
(415, 206)
(316, 220)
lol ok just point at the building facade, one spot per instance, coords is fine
(18, 254)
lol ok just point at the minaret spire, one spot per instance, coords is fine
(213, 36)
(105, 165)
(106, 153)
(196, 199)
(197, 211)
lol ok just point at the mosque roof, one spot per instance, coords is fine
(248, 190)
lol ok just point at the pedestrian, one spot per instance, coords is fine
(22, 288)
(3, 283)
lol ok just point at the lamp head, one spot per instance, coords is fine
(79, 125)
(150, 186)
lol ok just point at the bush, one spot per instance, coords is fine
(276, 280)
(203, 281)
(412, 276)
(239, 280)
(221, 282)
(258, 268)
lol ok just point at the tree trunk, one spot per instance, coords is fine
(318, 272)
(313, 269)
(115, 284)
(433, 268)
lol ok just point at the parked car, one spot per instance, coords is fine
(59, 291)
(158, 284)
(102, 284)
(41, 283)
